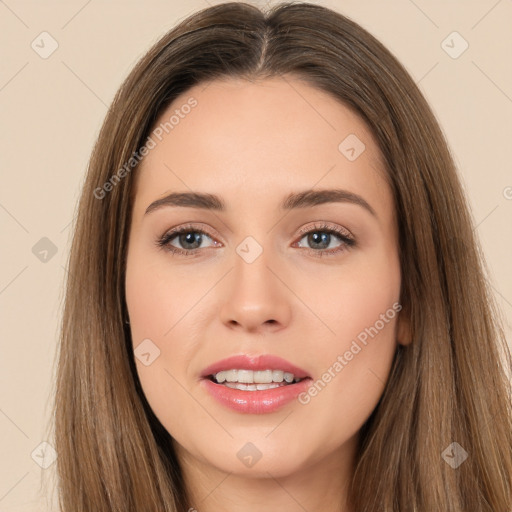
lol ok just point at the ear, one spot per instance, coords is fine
(403, 328)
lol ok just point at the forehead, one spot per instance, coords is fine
(260, 139)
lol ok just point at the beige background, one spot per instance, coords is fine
(51, 111)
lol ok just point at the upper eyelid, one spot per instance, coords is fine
(324, 225)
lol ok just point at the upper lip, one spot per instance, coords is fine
(258, 362)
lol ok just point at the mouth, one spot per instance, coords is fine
(254, 384)
(254, 380)
(254, 373)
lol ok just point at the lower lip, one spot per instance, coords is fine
(255, 402)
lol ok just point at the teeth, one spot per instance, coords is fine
(254, 377)
(253, 387)
(277, 375)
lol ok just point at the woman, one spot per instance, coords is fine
(275, 294)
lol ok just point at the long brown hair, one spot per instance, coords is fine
(449, 385)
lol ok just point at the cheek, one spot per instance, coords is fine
(361, 308)
(158, 308)
(345, 301)
(164, 303)
(158, 300)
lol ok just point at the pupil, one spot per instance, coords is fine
(318, 238)
(190, 237)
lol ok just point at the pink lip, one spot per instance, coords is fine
(260, 362)
(255, 402)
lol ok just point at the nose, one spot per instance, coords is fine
(256, 298)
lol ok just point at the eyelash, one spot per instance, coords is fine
(348, 242)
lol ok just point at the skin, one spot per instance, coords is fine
(253, 143)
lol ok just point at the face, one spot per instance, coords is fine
(314, 280)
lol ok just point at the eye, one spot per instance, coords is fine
(321, 236)
(189, 237)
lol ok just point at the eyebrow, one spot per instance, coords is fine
(304, 199)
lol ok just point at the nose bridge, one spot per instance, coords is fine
(252, 278)
(255, 296)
